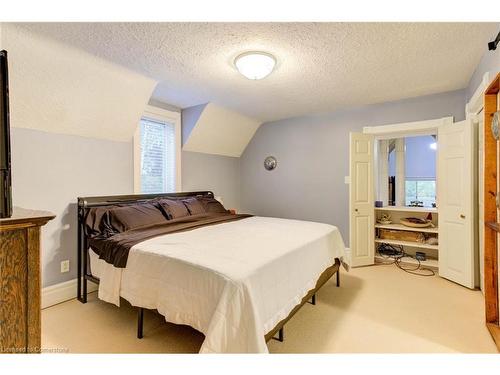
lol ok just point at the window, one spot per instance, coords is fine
(157, 152)
(423, 190)
(416, 169)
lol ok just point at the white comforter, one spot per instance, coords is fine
(233, 281)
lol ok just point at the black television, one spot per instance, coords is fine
(5, 168)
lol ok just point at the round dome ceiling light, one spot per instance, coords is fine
(255, 65)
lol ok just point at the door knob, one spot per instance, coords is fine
(462, 216)
(356, 210)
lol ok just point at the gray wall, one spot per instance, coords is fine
(50, 171)
(221, 174)
(490, 62)
(313, 157)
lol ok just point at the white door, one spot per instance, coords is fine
(361, 200)
(455, 202)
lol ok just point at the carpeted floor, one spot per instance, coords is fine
(377, 309)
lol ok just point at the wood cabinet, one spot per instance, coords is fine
(20, 323)
(491, 213)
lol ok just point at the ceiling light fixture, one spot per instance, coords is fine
(255, 65)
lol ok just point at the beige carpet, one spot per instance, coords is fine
(377, 309)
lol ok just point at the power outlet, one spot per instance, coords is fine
(65, 266)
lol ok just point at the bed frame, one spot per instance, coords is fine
(85, 273)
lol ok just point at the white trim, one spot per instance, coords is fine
(347, 256)
(137, 160)
(473, 111)
(54, 294)
(159, 114)
(476, 102)
(400, 171)
(407, 129)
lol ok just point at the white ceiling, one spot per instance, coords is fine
(321, 67)
(220, 131)
(60, 89)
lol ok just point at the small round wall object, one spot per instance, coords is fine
(270, 163)
(495, 125)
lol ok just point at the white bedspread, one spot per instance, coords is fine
(233, 281)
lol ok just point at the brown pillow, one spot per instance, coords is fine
(194, 206)
(172, 209)
(97, 222)
(132, 216)
(212, 205)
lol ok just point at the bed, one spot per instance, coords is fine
(236, 278)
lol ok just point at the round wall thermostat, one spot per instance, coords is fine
(270, 163)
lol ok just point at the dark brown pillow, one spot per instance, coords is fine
(172, 209)
(132, 216)
(97, 222)
(212, 205)
(194, 206)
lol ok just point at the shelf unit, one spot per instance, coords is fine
(397, 213)
(409, 229)
(407, 209)
(407, 243)
(429, 263)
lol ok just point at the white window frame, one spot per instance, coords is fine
(161, 115)
(401, 130)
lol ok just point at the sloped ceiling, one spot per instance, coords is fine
(57, 88)
(213, 129)
(322, 67)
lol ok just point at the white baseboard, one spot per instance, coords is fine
(54, 294)
(348, 255)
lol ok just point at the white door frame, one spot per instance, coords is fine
(476, 102)
(407, 129)
(473, 111)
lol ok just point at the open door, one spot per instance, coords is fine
(455, 202)
(361, 200)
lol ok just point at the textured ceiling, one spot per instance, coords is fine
(321, 66)
(60, 89)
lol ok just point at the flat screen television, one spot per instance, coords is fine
(5, 171)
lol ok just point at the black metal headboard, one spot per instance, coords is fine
(109, 200)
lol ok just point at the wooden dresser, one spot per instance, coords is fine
(20, 323)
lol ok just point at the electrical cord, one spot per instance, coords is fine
(394, 255)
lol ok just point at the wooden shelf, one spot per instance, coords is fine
(404, 227)
(408, 209)
(493, 225)
(429, 263)
(407, 243)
